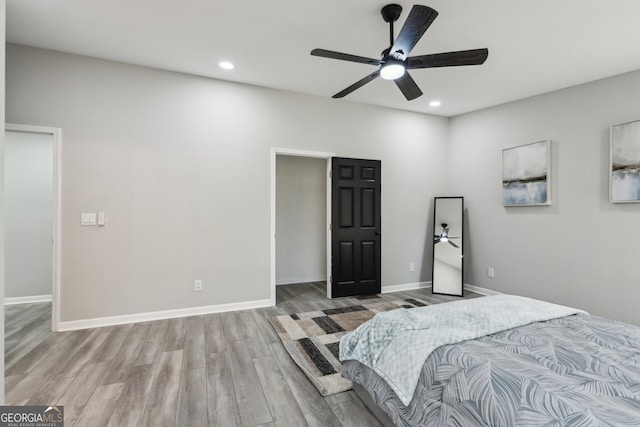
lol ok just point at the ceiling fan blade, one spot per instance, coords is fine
(418, 21)
(449, 59)
(453, 244)
(345, 57)
(408, 87)
(357, 85)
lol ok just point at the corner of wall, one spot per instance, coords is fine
(3, 7)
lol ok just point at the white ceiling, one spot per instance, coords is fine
(535, 46)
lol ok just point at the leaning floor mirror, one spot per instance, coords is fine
(448, 239)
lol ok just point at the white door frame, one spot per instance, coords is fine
(56, 133)
(297, 153)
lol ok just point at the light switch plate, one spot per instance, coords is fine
(89, 218)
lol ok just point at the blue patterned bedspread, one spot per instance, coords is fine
(573, 371)
(396, 343)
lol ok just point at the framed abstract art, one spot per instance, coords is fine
(624, 163)
(526, 174)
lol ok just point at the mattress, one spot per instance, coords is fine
(578, 370)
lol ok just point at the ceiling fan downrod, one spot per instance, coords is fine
(391, 13)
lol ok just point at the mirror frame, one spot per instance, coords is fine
(433, 257)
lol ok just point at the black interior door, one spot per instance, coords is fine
(355, 227)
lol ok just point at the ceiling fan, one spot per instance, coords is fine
(396, 60)
(444, 236)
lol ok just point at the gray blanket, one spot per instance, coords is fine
(579, 370)
(396, 343)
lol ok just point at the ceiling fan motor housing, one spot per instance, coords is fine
(391, 12)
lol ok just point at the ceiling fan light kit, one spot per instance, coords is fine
(392, 69)
(395, 59)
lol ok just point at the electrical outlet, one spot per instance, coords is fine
(412, 267)
(197, 285)
(491, 272)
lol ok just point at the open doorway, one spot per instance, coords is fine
(32, 218)
(301, 250)
(275, 154)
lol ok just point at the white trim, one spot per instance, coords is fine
(405, 287)
(328, 202)
(221, 308)
(424, 285)
(275, 151)
(27, 300)
(56, 133)
(99, 322)
(302, 153)
(479, 290)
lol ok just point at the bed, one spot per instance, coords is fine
(556, 367)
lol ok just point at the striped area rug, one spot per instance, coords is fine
(312, 338)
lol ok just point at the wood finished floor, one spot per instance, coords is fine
(226, 369)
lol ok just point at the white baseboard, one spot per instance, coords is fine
(99, 322)
(424, 285)
(479, 290)
(405, 287)
(322, 278)
(27, 300)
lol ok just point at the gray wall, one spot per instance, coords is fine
(3, 7)
(301, 219)
(28, 214)
(181, 165)
(581, 251)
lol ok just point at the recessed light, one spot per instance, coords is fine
(434, 103)
(226, 65)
